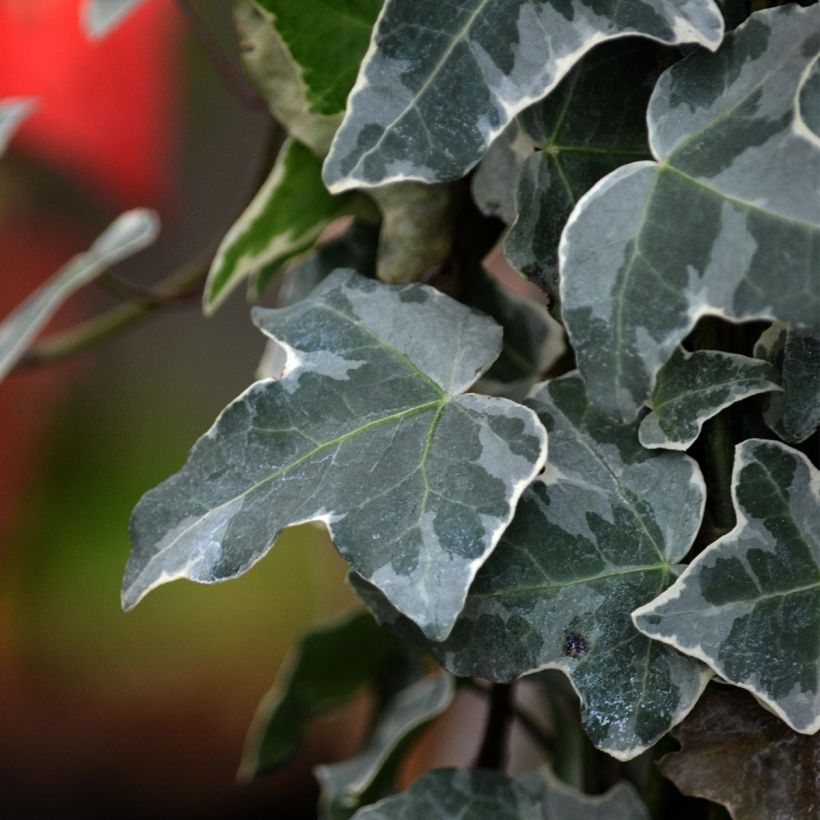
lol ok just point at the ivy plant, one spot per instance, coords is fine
(613, 478)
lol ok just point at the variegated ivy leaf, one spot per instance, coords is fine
(129, 233)
(327, 40)
(731, 198)
(495, 181)
(280, 79)
(749, 604)
(595, 536)
(99, 17)
(793, 414)
(366, 777)
(594, 122)
(366, 432)
(284, 218)
(444, 794)
(441, 81)
(12, 113)
(738, 754)
(693, 387)
(329, 666)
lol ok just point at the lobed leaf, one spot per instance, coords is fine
(731, 200)
(285, 218)
(740, 755)
(128, 233)
(441, 81)
(693, 387)
(749, 605)
(595, 536)
(366, 432)
(330, 665)
(349, 784)
(13, 110)
(327, 39)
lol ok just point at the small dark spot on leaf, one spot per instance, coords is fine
(575, 645)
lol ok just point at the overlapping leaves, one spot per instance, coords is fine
(749, 605)
(367, 432)
(442, 80)
(596, 535)
(731, 199)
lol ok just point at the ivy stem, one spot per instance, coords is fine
(493, 751)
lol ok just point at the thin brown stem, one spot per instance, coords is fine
(493, 751)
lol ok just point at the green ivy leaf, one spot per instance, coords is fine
(366, 432)
(441, 80)
(330, 665)
(285, 218)
(128, 233)
(736, 753)
(732, 197)
(693, 387)
(749, 605)
(351, 783)
(595, 536)
(100, 17)
(280, 79)
(13, 111)
(443, 794)
(327, 40)
(594, 122)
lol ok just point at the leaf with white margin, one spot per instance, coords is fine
(13, 111)
(128, 233)
(738, 754)
(285, 218)
(749, 604)
(331, 663)
(349, 784)
(693, 387)
(441, 81)
(731, 199)
(444, 794)
(592, 123)
(273, 69)
(595, 536)
(100, 17)
(366, 432)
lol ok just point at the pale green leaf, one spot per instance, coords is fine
(327, 39)
(129, 233)
(445, 794)
(594, 122)
(441, 81)
(13, 111)
(285, 218)
(738, 754)
(349, 784)
(330, 665)
(366, 432)
(562, 802)
(100, 17)
(595, 536)
(749, 604)
(495, 181)
(693, 387)
(280, 79)
(725, 222)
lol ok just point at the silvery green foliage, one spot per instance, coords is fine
(13, 111)
(477, 794)
(99, 17)
(592, 123)
(368, 432)
(128, 233)
(749, 604)
(595, 536)
(345, 785)
(441, 81)
(731, 198)
(693, 387)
